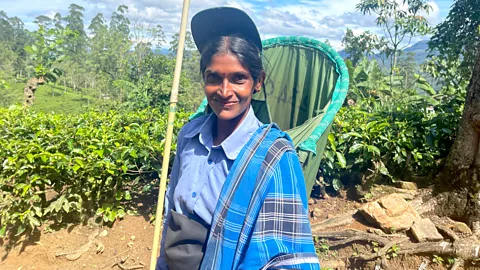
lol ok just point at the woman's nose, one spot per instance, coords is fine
(226, 87)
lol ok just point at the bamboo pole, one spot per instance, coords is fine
(168, 138)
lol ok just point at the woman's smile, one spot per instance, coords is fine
(229, 86)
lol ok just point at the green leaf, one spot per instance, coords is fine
(424, 85)
(353, 134)
(76, 167)
(133, 153)
(66, 206)
(34, 222)
(80, 162)
(2, 231)
(128, 197)
(20, 230)
(337, 184)
(100, 153)
(341, 159)
(355, 148)
(29, 157)
(121, 213)
(383, 170)
(119, 195)
(373, 149)
(446, 130)
(112, 215)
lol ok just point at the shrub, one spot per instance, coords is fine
(369, 142)
(87, 160)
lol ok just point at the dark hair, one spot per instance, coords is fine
(246, 52)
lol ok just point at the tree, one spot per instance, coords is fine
(456, 40)
(46, 51)
(13, 38)
(145, 38)
(461, 172)
(74, 21)
(360, 46)
(400, 25)
(189, 44)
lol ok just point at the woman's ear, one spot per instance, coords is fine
(260, 81)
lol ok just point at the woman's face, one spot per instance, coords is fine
(229, 86)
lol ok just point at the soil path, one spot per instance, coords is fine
(129, 239)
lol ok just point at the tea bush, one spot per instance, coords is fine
(371, 142)
(86, 160)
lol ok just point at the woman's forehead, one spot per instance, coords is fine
(225, 63)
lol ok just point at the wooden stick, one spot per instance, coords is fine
(168, 137)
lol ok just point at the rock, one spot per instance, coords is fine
(390, 212)
(132, 237)
(103, 233)
(317, 212)
(406, 185)
(476, 228)
(424, 230)
(337, 265)
(462, 227)
(311, 201)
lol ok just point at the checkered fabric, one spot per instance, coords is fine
(261, 218)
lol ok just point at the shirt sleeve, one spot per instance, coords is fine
(169, 204)
(282, 235)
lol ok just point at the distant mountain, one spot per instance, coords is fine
(164, 51)
(419, 49)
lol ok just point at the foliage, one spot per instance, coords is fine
(437, 259)
(387, 134)
(47, 51)
(5, 94)
(400, 24)
(90, 162)
(456, 39)
(362, 45)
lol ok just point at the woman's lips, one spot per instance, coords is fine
(227, 103)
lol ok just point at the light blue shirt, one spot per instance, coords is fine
(200, 168)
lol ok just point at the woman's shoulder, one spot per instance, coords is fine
(193, 127)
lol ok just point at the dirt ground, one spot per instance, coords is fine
(129, 242)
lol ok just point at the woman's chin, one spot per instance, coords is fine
(227, 115)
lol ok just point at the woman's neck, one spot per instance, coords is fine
(225, 128)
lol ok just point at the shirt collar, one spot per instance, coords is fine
(235, 142)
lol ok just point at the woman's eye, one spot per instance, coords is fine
(240, 78)
(212, 78)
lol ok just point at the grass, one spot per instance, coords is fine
(49, 98)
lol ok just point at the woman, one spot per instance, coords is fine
(236, 195)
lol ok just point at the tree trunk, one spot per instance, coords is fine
(462, 167)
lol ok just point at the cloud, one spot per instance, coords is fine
(319, 19)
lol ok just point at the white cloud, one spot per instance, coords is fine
(319, 19)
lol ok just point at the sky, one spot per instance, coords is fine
(318, 19)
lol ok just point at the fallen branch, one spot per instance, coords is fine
(352, 235)
(447, 231)
(464, 249)
(383, 251)
(123, 267)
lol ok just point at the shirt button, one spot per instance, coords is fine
(210, 161)
(194, 194)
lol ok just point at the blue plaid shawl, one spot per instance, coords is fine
(261, 218)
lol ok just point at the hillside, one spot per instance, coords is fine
(419, 49)
(49, 98)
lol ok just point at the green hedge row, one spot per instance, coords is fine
(85, 160)
(370, 142)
